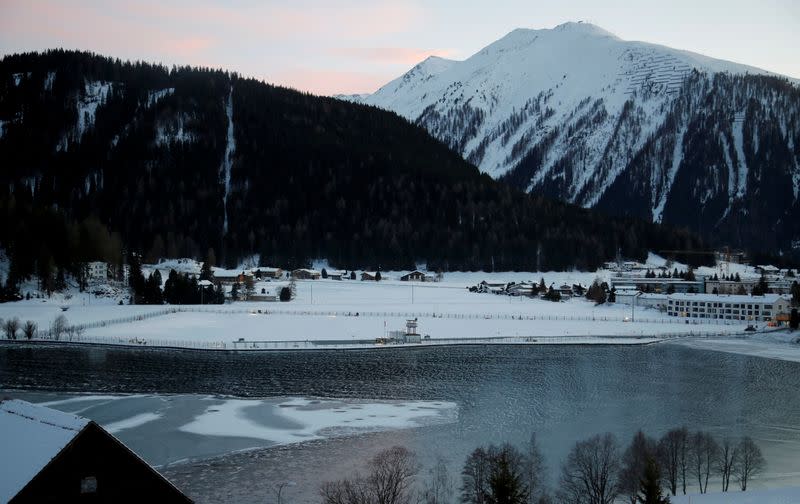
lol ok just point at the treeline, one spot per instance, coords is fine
(179, 288)
(310, 177)
(597, 470)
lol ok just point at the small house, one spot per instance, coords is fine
(51, 456)
(521, 289)
(369, 275)
(336, 274)
(306, 274)
(264, 291)
(268, 273)
(414, 276)
(565, 291)
(227, 277)
(493, 287)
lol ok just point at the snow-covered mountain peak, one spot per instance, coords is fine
(433, 65)
(558, 68)
(584, 28)
(574, 111)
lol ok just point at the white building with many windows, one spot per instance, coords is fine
(751, 308)
(97, 271)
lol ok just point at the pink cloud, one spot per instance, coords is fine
(258, 38)
(329, 82)
(399, 55)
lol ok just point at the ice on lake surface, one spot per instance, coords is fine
(155, 425)
(196, 400)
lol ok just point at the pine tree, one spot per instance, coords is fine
(206, 273)
(650, 488)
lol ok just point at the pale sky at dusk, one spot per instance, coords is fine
(353, 46)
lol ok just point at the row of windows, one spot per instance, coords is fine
(719, 305)
(763, 318)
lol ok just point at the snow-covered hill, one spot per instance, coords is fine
(578, 114)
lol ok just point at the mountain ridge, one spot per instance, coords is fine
(565, 111)
(102, 155)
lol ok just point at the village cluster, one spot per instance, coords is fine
(766, 295)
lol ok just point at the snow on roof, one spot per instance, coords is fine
(31, 436)
(219, 272)
(269, 287)
(729, 298)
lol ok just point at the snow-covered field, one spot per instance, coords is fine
(354, 310)
(349, 311)
(789, 495)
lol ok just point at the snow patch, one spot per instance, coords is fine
(174, 130)
(738, 145)
(95, 94)
(789, 495)
(677, 157)
(130, 423)
(154, 97)
(49, 80)
(19, 76)
(225, 167)
(305, 419)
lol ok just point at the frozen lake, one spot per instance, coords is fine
(440, 402)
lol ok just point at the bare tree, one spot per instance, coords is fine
(703, 454)
(751, 461)
(727, 461)
(634, 464)
(390, 478)
(439, 487)
(392, 474)
(534, 470)
(59, 326)
(672, 457)
(589, 475)
(352, 491)
(29, 329)
(475, 478)
(11, 326)
(278, 489)
(683, 457)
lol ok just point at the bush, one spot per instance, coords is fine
(286, 294)
(11, 327)
(29, 329)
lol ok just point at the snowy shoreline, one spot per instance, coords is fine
(322, 345)
(328, 315)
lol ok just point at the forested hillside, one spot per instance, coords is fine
(102, 157)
